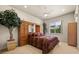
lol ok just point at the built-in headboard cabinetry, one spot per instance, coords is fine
(23, 32)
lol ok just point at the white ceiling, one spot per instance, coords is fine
(51, 10)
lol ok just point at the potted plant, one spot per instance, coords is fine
(9, 19)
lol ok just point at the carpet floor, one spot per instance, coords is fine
(61, 48)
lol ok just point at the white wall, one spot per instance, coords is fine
(65, 20)
(4, 34)
(78, 32)
(77, 12)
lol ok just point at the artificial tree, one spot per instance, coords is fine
(9, 19)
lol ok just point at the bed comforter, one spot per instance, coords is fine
(45, 43)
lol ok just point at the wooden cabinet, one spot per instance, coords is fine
(37, 28)
(72, 34)
(23, 34)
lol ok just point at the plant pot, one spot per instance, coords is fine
(11, 40)
(11, 44)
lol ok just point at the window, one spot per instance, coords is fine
(55, 27)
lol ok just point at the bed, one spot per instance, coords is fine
(40, 41)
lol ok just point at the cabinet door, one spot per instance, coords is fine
(23, 34)
(72, 34)
(37, 28)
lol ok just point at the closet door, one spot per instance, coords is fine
(72, 34)
(23, 34)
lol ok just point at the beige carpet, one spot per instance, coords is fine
(27, 49)
(61, 48)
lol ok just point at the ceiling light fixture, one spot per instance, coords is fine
(25, 6)
(63, 10)
(45, 15)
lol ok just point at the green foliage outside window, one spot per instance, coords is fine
(55, 28)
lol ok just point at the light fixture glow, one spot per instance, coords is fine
(25, 6)
(76, 19)
(45, 15)
(63, 10)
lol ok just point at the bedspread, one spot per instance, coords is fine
(45, 43)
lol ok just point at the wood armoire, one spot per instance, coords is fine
(23, 33)
(72, 34)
